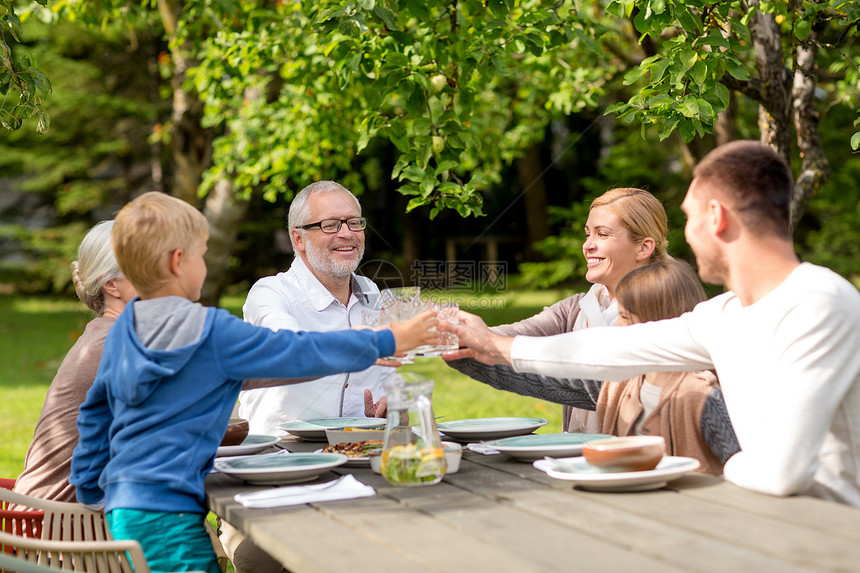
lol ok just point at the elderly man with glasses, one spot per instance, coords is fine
(319, 292)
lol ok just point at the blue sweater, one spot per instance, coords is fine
(153, 419)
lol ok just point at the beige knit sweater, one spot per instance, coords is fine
(49, 457)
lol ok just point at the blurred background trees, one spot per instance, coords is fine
(496, 119)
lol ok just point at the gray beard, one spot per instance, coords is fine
(319, 260)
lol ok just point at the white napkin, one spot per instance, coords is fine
(344, 487)
(480, 448)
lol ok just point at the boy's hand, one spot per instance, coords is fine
(479, 341)
(416, 331)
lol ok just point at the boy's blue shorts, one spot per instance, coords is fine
(170, 541)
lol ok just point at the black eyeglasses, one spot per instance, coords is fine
(331, 226)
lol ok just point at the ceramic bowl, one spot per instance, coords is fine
(237, 431)
(625, 453)
(342, 436)
(453, 454)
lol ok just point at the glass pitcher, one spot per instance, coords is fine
(412, 452)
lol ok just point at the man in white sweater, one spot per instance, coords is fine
(784, 339)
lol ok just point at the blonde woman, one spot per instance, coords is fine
(99, 285)
(626, 229)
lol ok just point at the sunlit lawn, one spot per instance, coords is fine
(37, 333)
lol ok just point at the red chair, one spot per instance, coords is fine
(23, 523)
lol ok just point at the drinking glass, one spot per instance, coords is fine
(400, 298)
(448, 312)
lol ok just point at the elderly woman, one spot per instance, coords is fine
(626, 229)
(100, 285)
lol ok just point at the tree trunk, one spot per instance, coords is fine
(191, 144)
(774, 119)
(814, 168)
(225, 211)
(530, 173)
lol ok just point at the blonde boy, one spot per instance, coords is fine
(169, 376)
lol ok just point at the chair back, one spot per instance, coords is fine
(11, 564)
(17, 522)
(90, 556)
(62, 521)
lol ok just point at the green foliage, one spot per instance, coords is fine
(431, 62)
(83, 168)
(52, 249)
(299, 89)
(22, 84)
(704, 45)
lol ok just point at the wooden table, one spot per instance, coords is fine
(500, 515)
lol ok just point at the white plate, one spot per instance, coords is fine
(277, 469)
(536, 446)
(586, 476)
(251, 445)
(314, 430)
(489, 428)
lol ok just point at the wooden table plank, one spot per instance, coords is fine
(303, 538)
(807, 531)
(627, 520)
(384, 525)
(833, 519)
(434, 544)
(519, 531)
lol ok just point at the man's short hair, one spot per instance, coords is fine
(147, 230)
(756, 182)
(299, 209)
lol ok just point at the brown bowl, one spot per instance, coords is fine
(237, 431)
(625, 453)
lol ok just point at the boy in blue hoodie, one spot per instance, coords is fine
(169, 377)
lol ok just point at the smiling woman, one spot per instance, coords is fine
(626, 229)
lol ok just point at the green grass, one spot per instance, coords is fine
(37, 333)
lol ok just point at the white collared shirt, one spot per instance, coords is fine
(296, 300)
